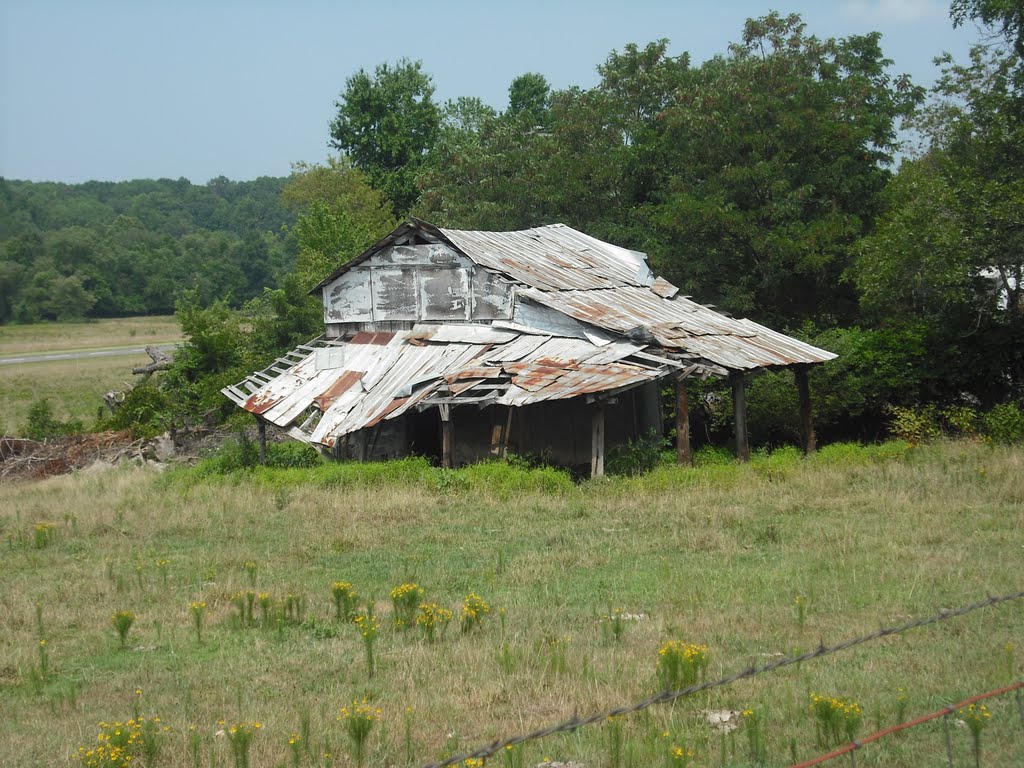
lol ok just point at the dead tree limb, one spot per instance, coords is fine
(161, 362)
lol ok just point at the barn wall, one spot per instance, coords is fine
(415, 283)
(559, 431)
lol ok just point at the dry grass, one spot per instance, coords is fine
(74, 388)
(94, 334)
(714, 555)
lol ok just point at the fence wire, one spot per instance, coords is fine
(858, 743)
(576, 722)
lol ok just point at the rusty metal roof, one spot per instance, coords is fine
(681, 325)
(554, 258)
(425, 366)
(611, 288)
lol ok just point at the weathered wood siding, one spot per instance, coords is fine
(416, 283)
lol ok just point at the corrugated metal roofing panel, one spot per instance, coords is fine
(554, 257)
(531, 368)
(682, 324)
(462, 333)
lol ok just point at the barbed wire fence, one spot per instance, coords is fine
(664, 697)
(945, 712)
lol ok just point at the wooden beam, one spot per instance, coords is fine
(739, 412)
(506, 434)
(803, 388)
(261, 429)
(597, 441)
(683, 453)
(447, 438)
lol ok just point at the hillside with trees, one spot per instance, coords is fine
(109, 249)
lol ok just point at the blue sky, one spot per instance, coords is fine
(125, 89)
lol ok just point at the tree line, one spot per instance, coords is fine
(106, 249)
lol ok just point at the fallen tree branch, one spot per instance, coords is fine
(161, 362)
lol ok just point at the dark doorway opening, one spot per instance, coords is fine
(425, 434)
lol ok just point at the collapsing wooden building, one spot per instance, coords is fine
(465, 345)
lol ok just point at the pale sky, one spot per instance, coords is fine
(122, 89)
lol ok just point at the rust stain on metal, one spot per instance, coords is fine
(380, 338)
(326, 398)
(261, 402)
(389, 409)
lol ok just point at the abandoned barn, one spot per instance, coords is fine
(464, 345)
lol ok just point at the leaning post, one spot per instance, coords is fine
(597, 441)
(447, 438)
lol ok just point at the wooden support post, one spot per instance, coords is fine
(447, 439)
(803, 389)
(683, 454)
(597, 441)
(261, 431)
(739, 412)
(506, 434)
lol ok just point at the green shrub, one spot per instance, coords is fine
(636, 457)
(146, 411)
(775, 465)
(505, 479)
(915, 425)
(233, 455)
(292, 455)
(1004, 424)
(42, 425)
(711, 455)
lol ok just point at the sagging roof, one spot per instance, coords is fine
(358, 382)
(613, 289)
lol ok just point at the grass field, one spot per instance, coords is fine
(715, 555)
(74, 388)
(94, 334)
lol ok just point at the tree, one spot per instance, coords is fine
(778, 153)
(529, 99)
(641, 84)
(1006, 15)
(386, 124)
(338, 214)
(948, 255)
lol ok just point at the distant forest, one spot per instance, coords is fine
(106, 249)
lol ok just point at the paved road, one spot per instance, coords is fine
(45, 357)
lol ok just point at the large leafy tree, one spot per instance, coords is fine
(778, 151)
(529, 97)
(947, 259)
(582, 157)
(386, 123)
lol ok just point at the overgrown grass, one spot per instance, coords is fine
(713, 555)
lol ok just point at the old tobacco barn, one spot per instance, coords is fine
(466, 345)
